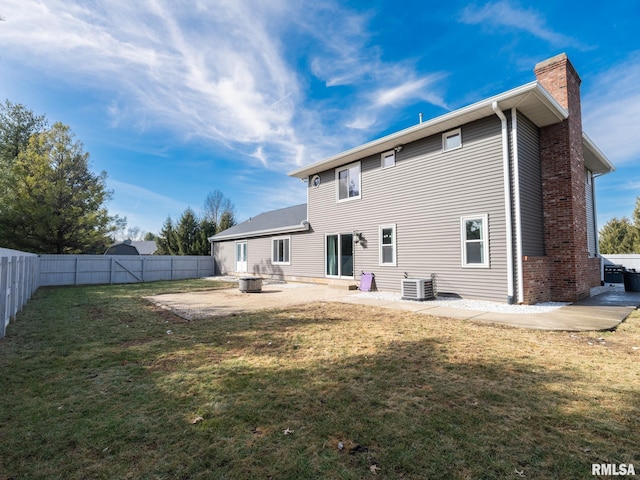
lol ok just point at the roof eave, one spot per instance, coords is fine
(531, 97)
(304, 226)
(594, 159)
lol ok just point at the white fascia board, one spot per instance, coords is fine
(304, 226)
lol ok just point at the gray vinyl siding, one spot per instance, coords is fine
(425, 195)
(532, 219)
(259, 251)
(224, 257)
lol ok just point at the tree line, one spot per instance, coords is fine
(51, 201)
(189, 236)
(621, 235)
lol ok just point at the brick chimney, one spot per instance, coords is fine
(571, 272)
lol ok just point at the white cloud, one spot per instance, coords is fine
(504, 14)
(611, 110)
(410, 90)
(141, 207)
(136, 195)
(217, 73)
(226, 71)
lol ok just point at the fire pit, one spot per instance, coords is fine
(250, 284)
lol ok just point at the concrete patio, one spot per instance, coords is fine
(604, 311)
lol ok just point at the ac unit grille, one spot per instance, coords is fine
(418, 289)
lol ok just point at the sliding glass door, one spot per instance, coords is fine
(339, 255)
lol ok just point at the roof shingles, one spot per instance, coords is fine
(284, 220)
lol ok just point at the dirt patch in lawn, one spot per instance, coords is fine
(221, 303)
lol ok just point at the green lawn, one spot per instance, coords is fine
(97, 383)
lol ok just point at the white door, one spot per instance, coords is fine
(241, 256)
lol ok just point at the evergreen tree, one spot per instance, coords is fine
(621, 235)
(17, 125)
(166, 240)
(618, 236)
(53, 203)
(636, 224)
(207, 229)
(188, 233)
(226, 221)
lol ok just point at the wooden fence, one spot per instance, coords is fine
(18, 281)
(22, 273)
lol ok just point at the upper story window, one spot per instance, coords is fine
(348, 181)
(451, 140)
(388, 159)
(475, 241)
(281, 251)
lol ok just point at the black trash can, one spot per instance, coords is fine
(631, 281)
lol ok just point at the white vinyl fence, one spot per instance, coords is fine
(18, 281)
(22, 273)
(627, 260)
(101, 269)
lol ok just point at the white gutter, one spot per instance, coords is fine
(518, 211)
(507, 199)
(302, 227)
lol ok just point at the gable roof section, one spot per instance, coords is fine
(284, 220)
(532, 99)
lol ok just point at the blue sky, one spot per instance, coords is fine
(175, 99)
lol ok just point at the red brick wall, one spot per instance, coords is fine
(536, 279)
(571, 273)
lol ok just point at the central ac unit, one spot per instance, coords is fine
(417, 289)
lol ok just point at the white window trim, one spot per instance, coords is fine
(339, 257)
(390, 153)
(484, 240)
(347, 167)
(273, 241)
(448, 134)
(394, 245)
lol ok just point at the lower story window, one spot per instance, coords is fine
(387, 245)
(281, 251)
(475, 241)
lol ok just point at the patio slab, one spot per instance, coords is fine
(601, 312)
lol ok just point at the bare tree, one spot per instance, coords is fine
(218, 207)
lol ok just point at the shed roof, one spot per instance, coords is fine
(532, 99)
(144, 247)
(283, 220)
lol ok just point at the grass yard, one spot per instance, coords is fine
(96, 383)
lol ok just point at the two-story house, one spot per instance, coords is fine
(497, 199)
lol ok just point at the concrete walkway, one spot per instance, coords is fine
(600, 312)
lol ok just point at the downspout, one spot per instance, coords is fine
(518, 211)
(507, 199)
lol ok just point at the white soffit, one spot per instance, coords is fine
(594, 159)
